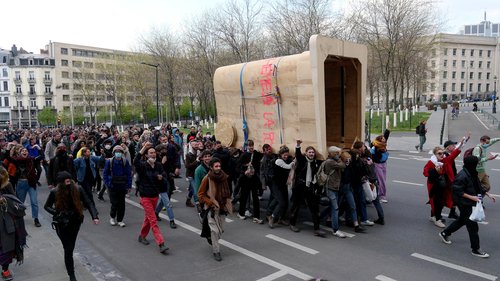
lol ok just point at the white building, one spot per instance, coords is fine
(462, 66)
(5, 87)
(32, 86)
(485, 28)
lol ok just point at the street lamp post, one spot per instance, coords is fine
(157, 93)
(494, 109)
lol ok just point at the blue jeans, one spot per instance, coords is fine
(347, 194)
(422, 140)
(191, 193)
(334, 207)
(360, 202)
(24, 188)
(165, 201)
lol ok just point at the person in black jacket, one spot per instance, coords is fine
(306, 187)
(150, 178)
(65, 203)
(422, 131)
(467, 191)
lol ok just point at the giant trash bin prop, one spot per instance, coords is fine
(316, 96)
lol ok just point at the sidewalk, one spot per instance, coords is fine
(44, 259)
(406, 141)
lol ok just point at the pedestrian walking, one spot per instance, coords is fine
(278, 205)
(60, 162)
(12, 229)
(117, 176)
(421, 131)
(215, 196)
(481, 152)
(467, 191)
(86, 171)
(380, 155)
(65, 203)
(150, 177)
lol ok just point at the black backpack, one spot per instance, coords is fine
(417, 130)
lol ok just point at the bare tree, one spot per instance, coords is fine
(84, 84)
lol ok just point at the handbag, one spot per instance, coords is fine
(370, 191)
(477, 213)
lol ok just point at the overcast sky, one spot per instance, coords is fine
(117, 24)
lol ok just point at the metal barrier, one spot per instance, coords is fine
(442, 127)
(489, 117)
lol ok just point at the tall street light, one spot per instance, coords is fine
(157, 93)
(494, 109)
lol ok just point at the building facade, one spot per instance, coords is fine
(462, 67)
(5, 87)
(485, 28)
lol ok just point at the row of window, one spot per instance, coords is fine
(462, 87)
(32, 90)
(480, 64)
(92, 54)
(85, 64)
(462, 75)
(464, 52)
(33, 104)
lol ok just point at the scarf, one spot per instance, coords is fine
(380, 145)
(218, 189)
(309, 174)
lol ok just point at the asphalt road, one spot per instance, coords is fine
(406, 248)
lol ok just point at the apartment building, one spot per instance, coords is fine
(32, 86)
(5, 87)
(83, 77)
(461, 67)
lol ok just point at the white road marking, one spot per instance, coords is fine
(228, 220)
(239, 249)
(407, 155)
(496, 170)
(397, 158)
(455, 266)
(274, 276)
(410, 183)
(384, 278)
(480, 121)
(412, 151)
(292, 244)
(328, 229)
(496, 195)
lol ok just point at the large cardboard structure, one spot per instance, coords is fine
(316, 96)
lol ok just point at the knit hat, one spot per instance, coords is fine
(62, 176)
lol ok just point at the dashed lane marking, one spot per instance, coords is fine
(384, 278)
(239, 249)
(292, 244)
(487, 128)
(276, 275)
(398, 158)
(329, 230)
(409, 183)
(455, 266)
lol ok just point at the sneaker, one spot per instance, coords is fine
(6, 275)
(172, 224)
(319, 233)
(247, 213)
(432, 219)
(112, 221)
(294, 228)
(158, 217)
(479, 253)
(100, 198)
(257, 221)
(367, 223)
(143, 240)
(163, 248)
(416, 148)
(37, 223)
(270, 221)
(241, 217)
(121, 224)
(359, 229)
(189, 203)
(383, 200)
(217, 257)
(339, 234)
(439, 223)
(445, 238)
(380, 221)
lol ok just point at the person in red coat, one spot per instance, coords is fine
(440, 177)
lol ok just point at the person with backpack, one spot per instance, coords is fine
(467, 191)
(117, 176)
(12, 229)
(481, 152)
(66, 203)
(380, 155)
(421, 132)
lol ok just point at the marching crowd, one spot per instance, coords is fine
(80, 162)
